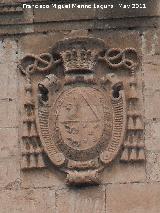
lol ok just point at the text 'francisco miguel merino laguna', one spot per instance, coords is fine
(85, 6)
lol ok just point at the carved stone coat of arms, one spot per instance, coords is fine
(81, 109)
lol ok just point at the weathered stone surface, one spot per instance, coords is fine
(59, 26)
(8, 74)
(8, 49)
(19, 29)
(24, 201)
(113, 10)
(151, 67)
(126, 185)
(127, 23)
(124, 173)
(152, 136)
(151, 42)
(9, 172)
(133, 198)
(108, 24)
(157, 43)
(77, 137)
(8, 113)
(8, 142)
(128, 8)
(8, 80)
(119, 39)
(77, 33)
(90, 200)
(42, 178)
(46, 41)
(51, 14)
(153, 166)
(14, 15)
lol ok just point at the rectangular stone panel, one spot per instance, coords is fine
(151, 67)
(151, 42)
(119, 39)
(40, 43)
(98, 10)
(133, 198)
(8, 142)
(8, 80)
(153, 166)
(8, 49)
(90, 200)
(124, 173)
(9, 172)
(8, 73)
(54, 14)
(152, 135)
(8, 113)
(12, 16)
(42, 178)
(27, 201)
(129, 8)
(19, 29)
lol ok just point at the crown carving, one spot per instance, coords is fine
(79, 59)
(79, 54)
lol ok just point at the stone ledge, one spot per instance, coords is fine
(21, 15)
(10, 9)
(130, 23)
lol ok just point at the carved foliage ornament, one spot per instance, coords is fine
(81, 109)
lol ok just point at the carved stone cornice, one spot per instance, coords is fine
(9, 9)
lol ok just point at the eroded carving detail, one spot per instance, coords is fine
(77, 115)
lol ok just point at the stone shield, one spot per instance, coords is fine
(82, 123)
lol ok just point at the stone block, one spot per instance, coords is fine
(153, 166)
(8, 74)
(152, 136)
(8, 113)
(157, 46)
(126, 9)
(8, 142)
(11, 16)
(54, 14)
(152, 102)
(133, 198)
(19, 29)
(151, 67)
(151, 42)
(8, 80)
(126, 23)
(60, 26)
(119, 39)
(9, 172)
(27, 201)
(124, 173)
(40, 43)
(42, 178)
(8, 49)
(87, 199)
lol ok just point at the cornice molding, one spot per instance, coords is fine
(11, 9)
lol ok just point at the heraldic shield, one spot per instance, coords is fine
(80, 107)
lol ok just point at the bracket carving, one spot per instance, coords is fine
(81, 109)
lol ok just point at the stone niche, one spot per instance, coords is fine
(82, 109)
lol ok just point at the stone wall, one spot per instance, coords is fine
(126, 188)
